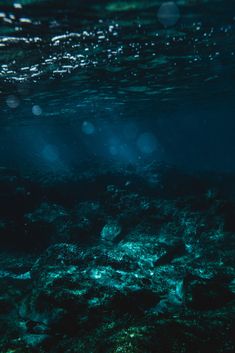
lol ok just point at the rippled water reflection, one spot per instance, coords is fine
(76, 61)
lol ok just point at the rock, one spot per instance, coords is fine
(44, 224)
(111, 231)
(137, 269)
(88, 219)
(208, 295)
(34, 340)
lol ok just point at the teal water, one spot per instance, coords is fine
(117, 196)
(124, 71)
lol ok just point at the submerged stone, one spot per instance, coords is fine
(154, 273)
(111, 231)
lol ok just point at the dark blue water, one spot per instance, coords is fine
(117, 81)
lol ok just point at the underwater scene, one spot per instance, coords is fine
(117, 176)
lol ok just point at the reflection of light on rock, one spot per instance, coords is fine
(17, 5)
(12, 102)
(88, 128)
(168, 14)
(50, 154)
(147, 143)
(36, 110)
(110, 231)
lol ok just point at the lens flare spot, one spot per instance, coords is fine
(12, 101)
(50, 153)
(88, 128)
(36, 110)
(168, 14)
(147, 143)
